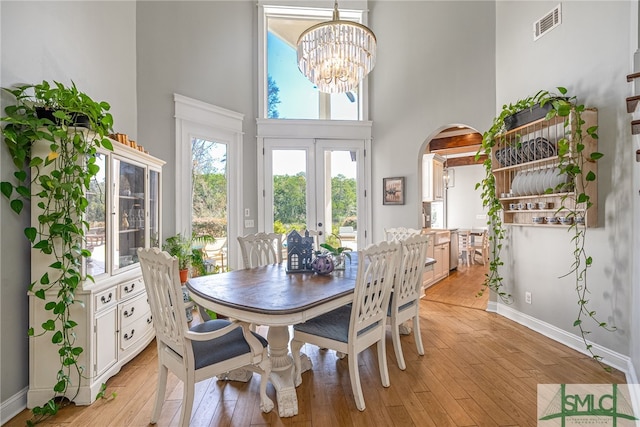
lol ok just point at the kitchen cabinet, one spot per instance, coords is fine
(432, 177)
(528, 182)
(438, 250)
(112, 312)
(441, 267)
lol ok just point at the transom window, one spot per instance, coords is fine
(286, 92)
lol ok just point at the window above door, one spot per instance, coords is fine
(285, 93)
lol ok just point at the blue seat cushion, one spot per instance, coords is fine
(220, 349)
(333, 325)
(401, 308)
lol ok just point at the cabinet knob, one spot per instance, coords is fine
(127, 337)
(129, 314)
(127, 290)
(149, 319)
(105, 300)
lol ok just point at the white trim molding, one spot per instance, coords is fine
(13, 405)
(609, 357)
(201, 120)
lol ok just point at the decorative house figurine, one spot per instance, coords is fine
(299, 252)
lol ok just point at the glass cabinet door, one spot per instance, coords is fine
(129, 217)
(96, 218)
(154, 208)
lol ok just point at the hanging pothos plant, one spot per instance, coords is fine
(572, 159)
(56, 177)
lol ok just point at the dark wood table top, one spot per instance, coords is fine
(270, 295)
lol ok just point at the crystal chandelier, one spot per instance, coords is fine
(336, 55)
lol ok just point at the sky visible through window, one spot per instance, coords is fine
(298, 96)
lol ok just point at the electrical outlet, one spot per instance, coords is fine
(247, 212)
(527, 297)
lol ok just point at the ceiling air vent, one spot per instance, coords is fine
(547, 23)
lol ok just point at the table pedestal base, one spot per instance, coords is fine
(283, 370)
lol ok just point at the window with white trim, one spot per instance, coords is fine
(285, 91)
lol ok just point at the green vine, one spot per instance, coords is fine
(575, 201)
(490, 200)
(56, 160)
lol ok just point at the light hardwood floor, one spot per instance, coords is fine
(479, 369)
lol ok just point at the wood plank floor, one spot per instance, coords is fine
(461, 287)
(479, 369)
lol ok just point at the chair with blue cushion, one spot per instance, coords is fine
(407, 290)
(355, 327)
(208, 349)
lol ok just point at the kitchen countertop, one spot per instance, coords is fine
(442, 235)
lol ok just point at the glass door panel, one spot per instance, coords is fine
(315, 185)
(154, 208)
(129, 217)
(210, 202)
(96, 218)
(338, 184)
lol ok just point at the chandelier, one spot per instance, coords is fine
(336, 55)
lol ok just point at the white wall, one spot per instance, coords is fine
(435, 66)
(590, 55)
(205, 50)
(464, 202)
(93, 44)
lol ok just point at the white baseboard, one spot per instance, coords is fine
(610, 357)
(492, 307)
(13, 406)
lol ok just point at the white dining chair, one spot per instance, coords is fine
(397, 234)
(208, 349)
(261, 249)
(407, 290)
(465, 249)
(355, 327)
(480, 246)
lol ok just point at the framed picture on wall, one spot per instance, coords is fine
(393, 191)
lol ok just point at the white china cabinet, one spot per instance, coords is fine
(113, 316)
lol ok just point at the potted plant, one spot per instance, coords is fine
(189, 252)
(339, 253)
(179, 246)
(60, 159)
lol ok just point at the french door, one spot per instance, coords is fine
(316, 184)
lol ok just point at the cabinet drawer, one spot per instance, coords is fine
(135, 331)
(133, 309)
(105, 299)
(130, 288)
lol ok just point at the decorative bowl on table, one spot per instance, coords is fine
(538, 220)
(322, 264)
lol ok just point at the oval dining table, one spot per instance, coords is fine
(273, 297)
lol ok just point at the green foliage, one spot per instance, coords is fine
(62, 168)
(290, 207)
(336, 250)
(273, 98)
(179, 246)
(188, 250)
(571, 163)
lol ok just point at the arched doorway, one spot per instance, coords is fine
(457, 144)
